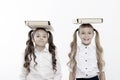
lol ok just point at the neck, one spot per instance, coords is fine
(40, 48)
(86, 44)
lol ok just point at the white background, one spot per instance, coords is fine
(61, 13)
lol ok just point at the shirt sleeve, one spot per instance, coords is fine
(23, 74)
(58, 74)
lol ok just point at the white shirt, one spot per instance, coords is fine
(43, 70)
(86, 61)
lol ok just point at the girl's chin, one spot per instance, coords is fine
(86, 44)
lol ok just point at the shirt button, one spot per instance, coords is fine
(85, 60)
(86, 47)
(86, 53)
(86, 74)
(86, 68)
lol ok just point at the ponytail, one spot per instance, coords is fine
(52, 48)
(29, 51)
(99, 52)
(72, 63)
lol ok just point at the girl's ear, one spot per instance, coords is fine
(33, 42)
(78, 33)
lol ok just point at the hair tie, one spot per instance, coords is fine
(77, 29)
(94, 29)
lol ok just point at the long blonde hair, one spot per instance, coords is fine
(72, 63)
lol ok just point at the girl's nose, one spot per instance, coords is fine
(86, 35)
(41, 38)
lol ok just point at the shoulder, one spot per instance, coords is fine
(93, 47)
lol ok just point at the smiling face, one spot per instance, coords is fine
(40, 38)
(86, 34)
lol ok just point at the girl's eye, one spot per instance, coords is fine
(89, 33)
(44, 36)
(38, 36)
(82, 33)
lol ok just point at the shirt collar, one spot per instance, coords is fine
(45, 50)
(84, 46)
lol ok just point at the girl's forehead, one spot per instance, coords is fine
(85, 28)
(40, 32)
